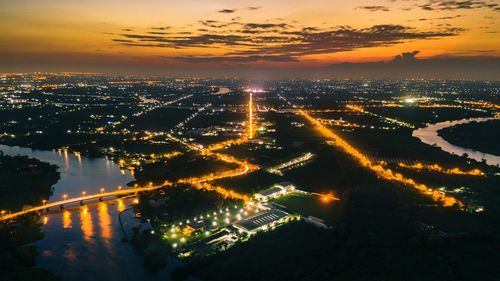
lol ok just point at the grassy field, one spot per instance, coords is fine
(308, 205)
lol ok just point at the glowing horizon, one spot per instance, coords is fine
(116, 35)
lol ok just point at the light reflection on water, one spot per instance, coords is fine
(86, 224)
(78, 173)
(66, 219)
(85, 243)
(105, 223)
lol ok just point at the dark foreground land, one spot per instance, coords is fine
(379, 229)
(23, 181)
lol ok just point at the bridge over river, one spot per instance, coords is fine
(82, 199)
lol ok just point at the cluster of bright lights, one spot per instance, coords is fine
(482, 104)
(278, 169)
(328, 197)
(338, 122)
(181, 232)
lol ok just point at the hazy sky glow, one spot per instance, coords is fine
(124, 35)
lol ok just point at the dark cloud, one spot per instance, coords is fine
(160, 27)
(157, 32)
(405, 57)
(345, 38)
(310, 29)
(374, 8)
(282, 41)
(458, 5)
(238, 59)
(406, 65)
(438, 19)
(231, 11)
(265, 25)
(216, 23)
(123, 40)
(227, 11)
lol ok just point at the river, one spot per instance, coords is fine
(85, 243)
(429, 135)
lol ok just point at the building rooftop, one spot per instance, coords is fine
(270, 191)
(261, 219)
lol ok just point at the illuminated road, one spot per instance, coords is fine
(198, 182)
(202, 182)
(119, 192)
(250, 117)
(380, 170)
(377, 168)
(439, 169)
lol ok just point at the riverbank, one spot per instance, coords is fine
(429, 135)
(480, 136)
(23, 181)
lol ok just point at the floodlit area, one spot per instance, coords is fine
(210, 232)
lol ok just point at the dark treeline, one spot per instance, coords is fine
(482, 136)
(25, 181)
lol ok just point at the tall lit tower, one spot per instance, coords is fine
(250, 117)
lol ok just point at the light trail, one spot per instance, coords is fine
(377, 168)
(438, 168)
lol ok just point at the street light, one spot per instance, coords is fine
(83, 193)
(44, 201)
(102, 189)
(65, 196)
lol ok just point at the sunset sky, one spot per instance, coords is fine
(128, 35)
